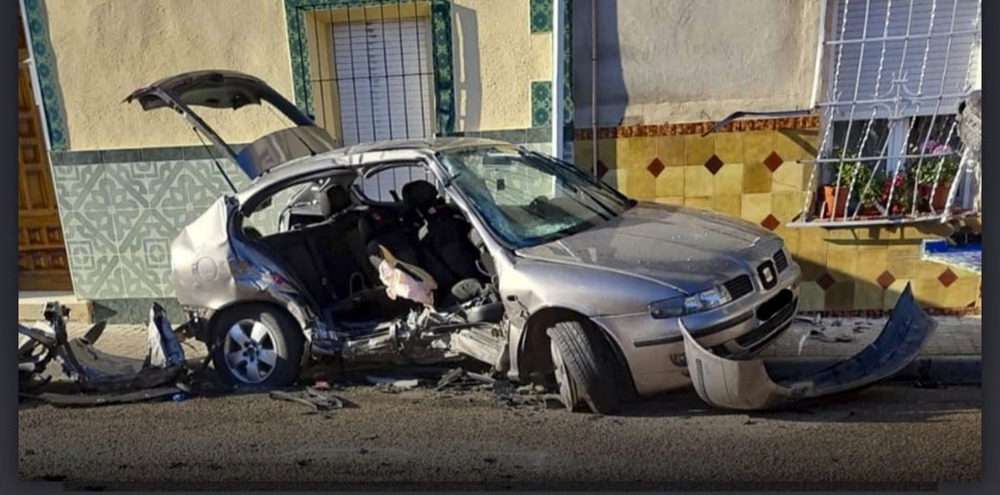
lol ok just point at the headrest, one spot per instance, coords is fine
(420, 195)
(338, 198)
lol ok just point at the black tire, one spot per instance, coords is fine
(589, 378)
(284, 338)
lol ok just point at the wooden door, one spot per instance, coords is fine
(41, 255)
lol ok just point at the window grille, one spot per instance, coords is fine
(889, 150)
(370, 70)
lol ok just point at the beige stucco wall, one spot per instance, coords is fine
(496, 58)
(104, 49)
(680, 61)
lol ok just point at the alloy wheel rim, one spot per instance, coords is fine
(249, 351)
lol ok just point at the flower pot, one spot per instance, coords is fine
(869, 211)
(935, 197)
(831, 194)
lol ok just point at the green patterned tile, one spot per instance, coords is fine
(541, 103)
(143, 278)
(96, 276)
(48, 81)
(136, 310)
(541, 16)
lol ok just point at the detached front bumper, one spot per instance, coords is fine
(745, 385)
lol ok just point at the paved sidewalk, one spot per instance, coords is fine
(954, 336)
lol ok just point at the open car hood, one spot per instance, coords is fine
(231, 89)
(745, 385)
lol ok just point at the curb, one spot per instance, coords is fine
(925, 370)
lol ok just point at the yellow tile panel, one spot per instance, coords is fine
(729, 179)
(786, 205)
(929, 293)
(698, 181)
(796, 144)
(730, 205)
(636, 152)
(670, 182)
(756, 207)
(962, 293)
(757, 145)
(697, 149)
(670, 150)
(788, 177)
(756, 178)
(871, 264)
(843, 265)
(729, 147)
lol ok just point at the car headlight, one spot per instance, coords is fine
(685, 305)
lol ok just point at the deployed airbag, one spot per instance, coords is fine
(746, 385)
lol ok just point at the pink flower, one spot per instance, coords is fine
(942, 149)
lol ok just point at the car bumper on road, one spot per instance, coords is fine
(654, 349)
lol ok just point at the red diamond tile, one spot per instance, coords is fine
(655, 167)
(773, 161)
(601, 169)
(770, 223)
(947, 277)
(825, 281)
(714, 164)
(885, 279)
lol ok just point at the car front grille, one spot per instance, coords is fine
(778, 318)
(739, 286)
(780, 260)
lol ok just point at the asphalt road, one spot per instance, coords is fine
(881, 437)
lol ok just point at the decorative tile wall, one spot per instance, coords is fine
(541, 103)
(760, 176)
(38, 36)
(119, 218)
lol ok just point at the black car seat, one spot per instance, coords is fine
(445, 232)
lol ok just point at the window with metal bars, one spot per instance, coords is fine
(370, 71)
(896, 73)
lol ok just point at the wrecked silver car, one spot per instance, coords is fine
(427, 250)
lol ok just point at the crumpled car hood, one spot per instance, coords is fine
(687, 249)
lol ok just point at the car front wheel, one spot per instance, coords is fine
(581, 373)
(260, 346)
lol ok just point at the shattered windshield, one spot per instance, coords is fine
(528, 199)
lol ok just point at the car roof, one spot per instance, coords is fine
(344, 158)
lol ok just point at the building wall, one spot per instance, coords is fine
(758, 173)
(105, 49)
(686, 61)
(497, 57)
(127, 180)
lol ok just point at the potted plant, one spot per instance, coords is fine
(900, 196)
(838, 191)
(870, 191)
(932, 187)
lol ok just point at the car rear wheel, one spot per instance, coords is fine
(581, 371)
(260, 346)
